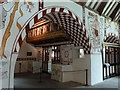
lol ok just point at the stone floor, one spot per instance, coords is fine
(108, 83)
(33, 81)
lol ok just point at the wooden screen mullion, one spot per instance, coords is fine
(117, 57)
(113, 55)
(54, 54)
(115, 60)
(108, 54)
(110, 59)
(118, 61)
(57, 54)
(42, 57)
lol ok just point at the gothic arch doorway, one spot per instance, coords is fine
(61, 15)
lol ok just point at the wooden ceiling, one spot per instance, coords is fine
(107, 8)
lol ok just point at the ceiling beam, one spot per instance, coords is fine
(117, 17)
(98, 4)
(115, 11)
(106, 7)
(117, 14)
(101, 7)
(88, 3)
(118, 20)
(112, 9)
(93, 3)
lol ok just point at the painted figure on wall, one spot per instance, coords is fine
(12, 9)
(94, 33)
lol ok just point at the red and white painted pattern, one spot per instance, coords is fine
(71, 27)
(65, 18)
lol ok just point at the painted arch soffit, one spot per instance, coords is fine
(76, 26)
(71, 27)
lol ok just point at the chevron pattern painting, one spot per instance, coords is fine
(112, 38)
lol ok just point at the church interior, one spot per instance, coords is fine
(59, 44)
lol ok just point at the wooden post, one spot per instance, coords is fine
(41, 4)
(86, 77)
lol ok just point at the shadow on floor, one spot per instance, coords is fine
(29, 80)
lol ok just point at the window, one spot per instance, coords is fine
(29, 53)
(81, 54)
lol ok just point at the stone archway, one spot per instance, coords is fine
(76, 31)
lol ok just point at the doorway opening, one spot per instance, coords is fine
(40, 34)
(50, 55)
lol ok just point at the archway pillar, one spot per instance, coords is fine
(13, 62)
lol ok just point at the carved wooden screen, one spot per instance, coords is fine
(112, 61)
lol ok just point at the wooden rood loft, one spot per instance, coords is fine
(44, 32)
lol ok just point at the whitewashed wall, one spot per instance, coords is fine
(96, 57)
(27, 48)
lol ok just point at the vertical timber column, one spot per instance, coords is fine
(41, 4)
(119, 33)
(115, 59)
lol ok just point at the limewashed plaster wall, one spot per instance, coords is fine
(95, 28)
(98, 27)
(27, 48)
(26, 10)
